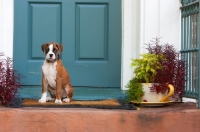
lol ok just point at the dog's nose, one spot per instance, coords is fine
(50, 55)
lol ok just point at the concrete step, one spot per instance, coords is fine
(98, 120)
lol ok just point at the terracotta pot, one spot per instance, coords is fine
(154, 97)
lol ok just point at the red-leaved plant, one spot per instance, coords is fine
(9, 80)
(173, 71)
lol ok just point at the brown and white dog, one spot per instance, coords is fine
(55, 77)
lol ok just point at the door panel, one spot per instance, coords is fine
(90, 31)
(41, 29)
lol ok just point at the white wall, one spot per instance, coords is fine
(160, 18)
(144, 20)
(170, 22)
(6, 27)
(130, 37)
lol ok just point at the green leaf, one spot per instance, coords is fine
(147, 68)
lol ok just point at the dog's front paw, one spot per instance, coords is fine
(66, 100)
(58, 101)
(50, 99)
(42, 100)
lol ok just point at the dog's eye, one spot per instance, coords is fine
(47, 50)
(54, 50)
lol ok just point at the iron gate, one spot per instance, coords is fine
(190, 46)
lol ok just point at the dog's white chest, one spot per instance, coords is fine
(49, 71)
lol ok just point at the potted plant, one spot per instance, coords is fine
(173, 71)
(166, 68)
(145, 71)
(9, 81)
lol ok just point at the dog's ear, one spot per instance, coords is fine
(43, 47)
(60, 47)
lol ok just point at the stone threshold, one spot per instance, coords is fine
(172, 118)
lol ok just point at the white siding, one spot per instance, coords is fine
(6, 27)
(144, 20)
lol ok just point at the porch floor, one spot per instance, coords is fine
(80, 93)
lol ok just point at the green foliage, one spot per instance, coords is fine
(145, 72)
(135, 91)
(146, 67)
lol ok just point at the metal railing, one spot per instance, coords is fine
(190, 41)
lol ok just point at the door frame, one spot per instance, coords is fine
(7, 17)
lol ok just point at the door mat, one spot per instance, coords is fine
(99, 104)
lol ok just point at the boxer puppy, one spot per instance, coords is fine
(55, 77)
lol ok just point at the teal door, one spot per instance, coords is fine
(90, 31)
